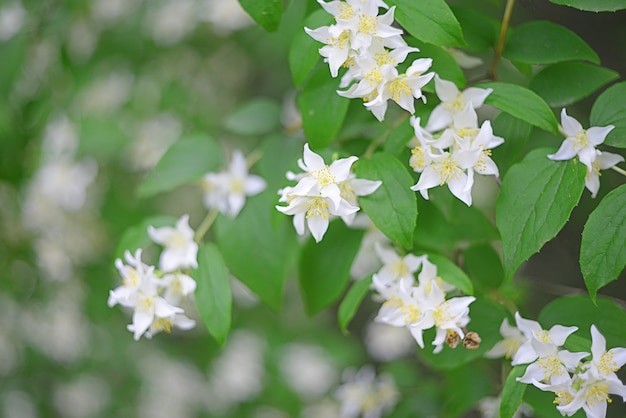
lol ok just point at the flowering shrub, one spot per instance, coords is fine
(300, 222)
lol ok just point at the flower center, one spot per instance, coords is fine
(448, 170)
(132, 278)
(562, 397)
(374, 77)
(346, 11)
(323, 176)
(162, 324)
(442, 315)
(317, 208)
(551, 366)
(580, 140)
(598, 392)
(367, 24)
(399, 88)
(455, 105)
(383, 58)
(607, 364)
(511, 345)
(417, 161)
(411, 314)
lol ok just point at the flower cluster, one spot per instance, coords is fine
(227, 190)
(365, 394)
(452, 147)
(576, 382)
(323, 191)
(420, 306)
(582, 143)
(371, 49)
(153, 294)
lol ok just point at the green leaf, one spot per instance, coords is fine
(351, 302)
(480, 31)
(255, 117)
(535, 201)
(399, 137)
(443, 63)
(580, 311)
(515, 133)
(392, 207)
(137, 236)
(593, 5)
(322, 109)
(565, 83)
(186, 160)
(521, 103)
(603, 247)
(319, 288)
(451, 273)
(445, 223)
(486, 317)
(541, 42)
(213, 294)
(101, 137)
(512, 392)
(256, 251)
(304, 51)
(431, 21)
(266, 13)
(610, 109)
(483, 265)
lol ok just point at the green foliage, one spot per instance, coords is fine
(516, 132)
(582, 312)
(392, 207)
(319, 287)
(323, 111)
(350, 303)
(542, 42)
(303, 53)
(431, 21)
(536, 200)
(593, 5)
(452, 274)
(565, 83)
(512, 392)
(521, 103)
(443, 63)
(266, 13)
(137, 236)
(480, 30)
(186, 160)
(101, 137)
(213, 294)
(602, 252)
(610, 109)
(244, 240)
(484, 266)
(255, 117)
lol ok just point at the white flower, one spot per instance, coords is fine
(180, 251)
(452, 102)
(177, 287)
(604, 364)
(580, 142)
(321, 179)
(364, 394)
(451, 169)
(316, 210)
(351, 188)
(604, 160)
(307, 370)
(396, 268)
(451, 317)
(532, 330)
(552, 365)
(337, 49)
(133, 275)
(512, 341)
(385, 342)
(226, 191)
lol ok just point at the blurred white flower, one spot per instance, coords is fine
(363, 394)
(227, 190)
(17, 404)
(106, 94)
(385, 342)
(181, 251)
(238, 374)
(307, 370)
(152, 139)
(85, 396)
(12, 17)
(82, 39)
(172, 20)
(226, 16)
